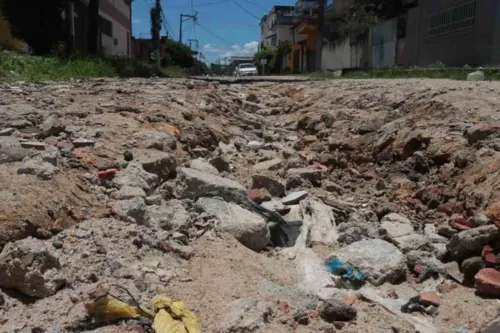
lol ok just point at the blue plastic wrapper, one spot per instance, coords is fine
(344, 270)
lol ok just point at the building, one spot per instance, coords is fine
(454, 32)
(276, 27)
(115, 18)
(302, 54)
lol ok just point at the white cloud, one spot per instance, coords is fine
(136, 21)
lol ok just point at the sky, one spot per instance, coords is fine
(225, 28)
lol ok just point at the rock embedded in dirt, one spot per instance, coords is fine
(271, 165)
(259, 195)
(33, 145)
(190, 183)
(410, 242)
(245, 315)
(427, 298)
(202, 165)
(332, 187)
(471, 266)
(312, 175)
(7, 131)
(469, 241)
(380, 260)
(171, 216)
(221, 163)
(135, 176)
(294, 198)
(249, 228)
(274, 186)
(395, 225)
(156, 162)
(52, 125)
(81, 143)
(488, 282)
(255, 144)
(31, 267)
(132, 210)
(128, 192)
(153, 200)
(37, 167)
(481, 132)
(162, 141)
(334, 310)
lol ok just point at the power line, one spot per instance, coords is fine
(213, 34)
(256, 5)
(201, 4)
(246, 10)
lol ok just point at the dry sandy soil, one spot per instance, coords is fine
(426, 149)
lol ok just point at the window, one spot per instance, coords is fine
(459, 16)
(106, 27)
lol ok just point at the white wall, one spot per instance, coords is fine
(336, 55)
(119, 33)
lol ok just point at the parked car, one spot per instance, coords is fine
(246, 70)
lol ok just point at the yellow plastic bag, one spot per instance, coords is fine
(106, 309)
(173, 317)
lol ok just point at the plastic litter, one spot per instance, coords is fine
(107, 173)
(107, 309)
(173, 317)
(344, 270)
(168, 315)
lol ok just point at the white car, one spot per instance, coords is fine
(246, 70)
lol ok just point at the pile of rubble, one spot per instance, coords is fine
(178, 188)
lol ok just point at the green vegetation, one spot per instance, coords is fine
(21, 67)
(434, 71)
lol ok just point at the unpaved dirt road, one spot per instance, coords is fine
(98, 180)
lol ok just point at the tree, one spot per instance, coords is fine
(178, 54)
(354, 17)
(156, 21)
(93, 34)
(39, 23)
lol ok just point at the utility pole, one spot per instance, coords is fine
(156, 30)
(193, 40)
(321, 33)
(187, 17)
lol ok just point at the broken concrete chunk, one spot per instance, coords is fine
(32, 267)
(132, 210)
(52, 125)
(313, 175)
(191, 182)
(7, 131)
(275, 187)
(80, 143)
(171, 216)
(380, 260)
(134, 175)
(248, 228)
(294, 198)
(318, 222)
(274, 164)
(33, 145)
(410, 242)
(202, 165)
(163, 141)
(39, 168)
(128, 192)
(334, 310)
(488, 282)
(247, 316)
(156, 162)
(469, 241)
(221, 164)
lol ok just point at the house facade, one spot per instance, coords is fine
(454, 32)
(115, 25)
